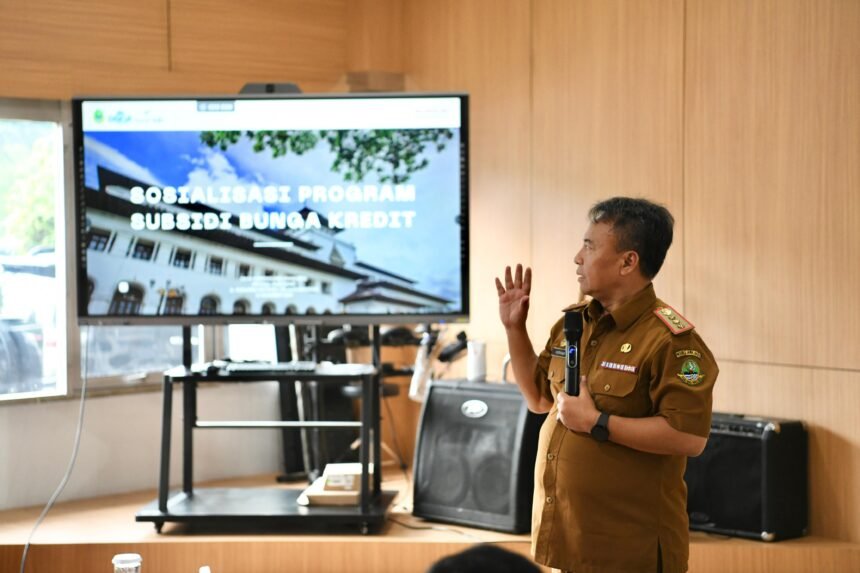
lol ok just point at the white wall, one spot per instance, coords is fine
(121, 439)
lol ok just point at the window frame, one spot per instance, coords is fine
(59, 112)
(211, 338)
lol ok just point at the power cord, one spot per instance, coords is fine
(74, 457)
(436, 528)
(455, 530)
(406, 505)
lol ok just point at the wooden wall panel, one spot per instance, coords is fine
(375, 35)
(607, 120)
(53, 50)
(45, 80)
(772, 178)
(85, 32)
(264, 40)
(827, 401)
(482, 47)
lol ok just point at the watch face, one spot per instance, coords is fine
(600, 433)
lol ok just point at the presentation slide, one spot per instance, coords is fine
(270, 221)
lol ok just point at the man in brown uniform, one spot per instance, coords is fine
(609, 489)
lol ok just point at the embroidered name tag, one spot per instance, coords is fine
(620, 367)
(559, 351)
(682, 353)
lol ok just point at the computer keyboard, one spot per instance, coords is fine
(297, 366)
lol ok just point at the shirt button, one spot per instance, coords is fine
(593, 343)
(549, 499)
(607, 387)
(550, 456)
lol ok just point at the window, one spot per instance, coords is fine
(209, 305)
(99, 240)
(240, 307)
(126, 299)
(32, 245)
(244, 270)
(215, 265)
(143, 250)
(38, 330)
(269, 273)
(326, 287)
(114, 356)
(173, 302)
(182, 259)
(336, 258)
(268, 308)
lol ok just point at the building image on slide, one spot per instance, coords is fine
(229, 272)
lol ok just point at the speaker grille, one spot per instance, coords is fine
(475, 458)
(725, 487)
(751, 480)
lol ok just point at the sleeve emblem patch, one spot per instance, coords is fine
(690, 373)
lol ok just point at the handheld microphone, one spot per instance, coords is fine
(572, 334)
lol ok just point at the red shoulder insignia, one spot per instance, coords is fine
(677, 324)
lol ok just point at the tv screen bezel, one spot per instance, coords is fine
(80, 246)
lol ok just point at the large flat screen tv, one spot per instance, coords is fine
(273, 209)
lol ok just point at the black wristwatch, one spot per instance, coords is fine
(600, 431)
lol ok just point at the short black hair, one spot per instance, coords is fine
(639, 225)
(482, 558)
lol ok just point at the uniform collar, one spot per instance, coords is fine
(641, 303)
(624, 316)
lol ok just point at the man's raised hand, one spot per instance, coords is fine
(514, 297)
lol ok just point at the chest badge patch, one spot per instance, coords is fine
(691, 373)
(626, 347)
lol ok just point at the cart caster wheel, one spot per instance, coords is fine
(158, 527)
(365, 529)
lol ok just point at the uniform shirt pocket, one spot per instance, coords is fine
(620, 393)
(612, 384)
(556, 372)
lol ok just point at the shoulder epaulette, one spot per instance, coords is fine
(677, 324)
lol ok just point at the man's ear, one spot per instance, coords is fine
(629, 262)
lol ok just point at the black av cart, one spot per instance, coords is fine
(266, 507)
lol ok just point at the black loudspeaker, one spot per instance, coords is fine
(751, 480)
(475, 456)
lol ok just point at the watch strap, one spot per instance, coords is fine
(600, 430)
